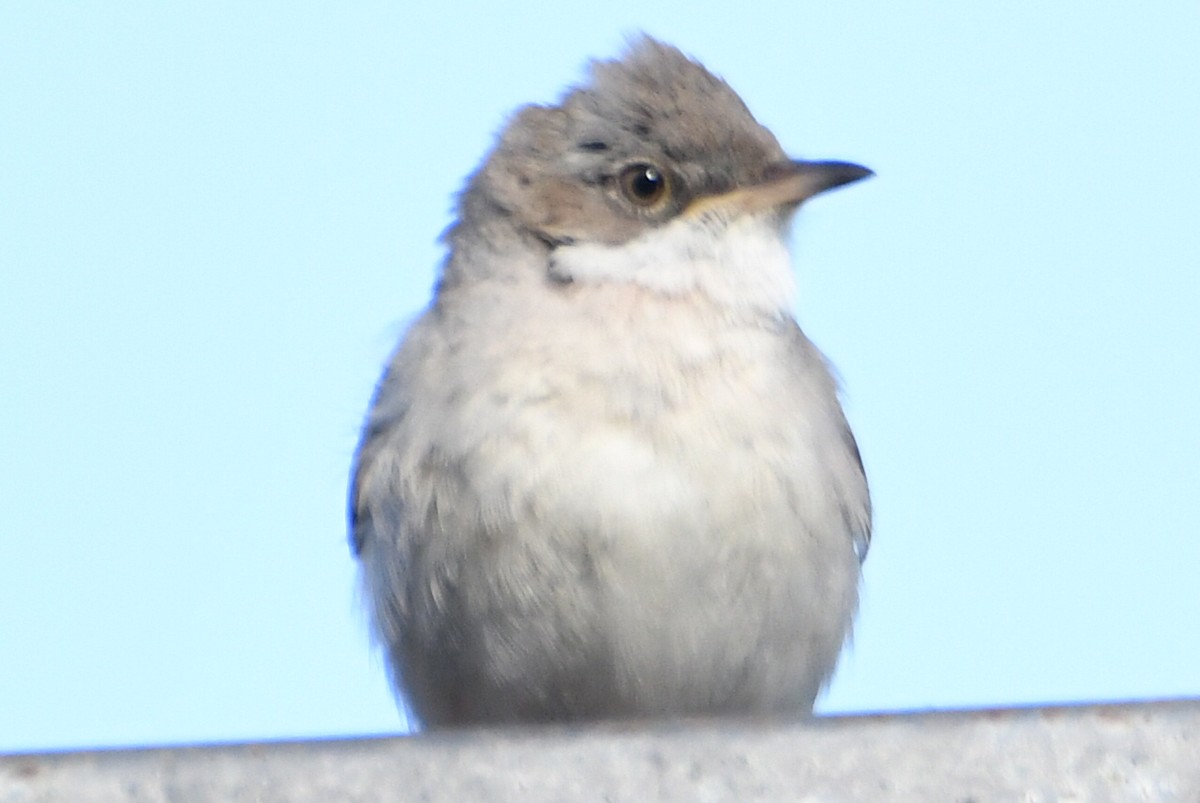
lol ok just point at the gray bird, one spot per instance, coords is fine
(605, 475)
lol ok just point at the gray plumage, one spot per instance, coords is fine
(605, 474)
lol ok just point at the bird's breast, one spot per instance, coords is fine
(626, 410)
(647, 478)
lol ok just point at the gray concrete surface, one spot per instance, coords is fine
(1127, 752)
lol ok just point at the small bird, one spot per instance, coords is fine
(605, 475)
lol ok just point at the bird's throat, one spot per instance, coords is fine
(741, 264)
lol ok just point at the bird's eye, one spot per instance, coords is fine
(644, 185)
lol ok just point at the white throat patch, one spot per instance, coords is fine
(741, 263)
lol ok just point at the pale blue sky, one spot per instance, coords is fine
(215, 221)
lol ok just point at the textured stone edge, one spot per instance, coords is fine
(1123, 751)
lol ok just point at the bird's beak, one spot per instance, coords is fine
(787, 184)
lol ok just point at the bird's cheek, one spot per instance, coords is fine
(569, 212)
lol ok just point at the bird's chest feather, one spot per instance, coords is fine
(654, 455)
(669, 351)
(623, 409)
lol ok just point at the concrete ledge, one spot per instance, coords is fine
(1137, 751)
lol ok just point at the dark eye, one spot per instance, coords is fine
(644, 184)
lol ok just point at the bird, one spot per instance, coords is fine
(604, 474)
